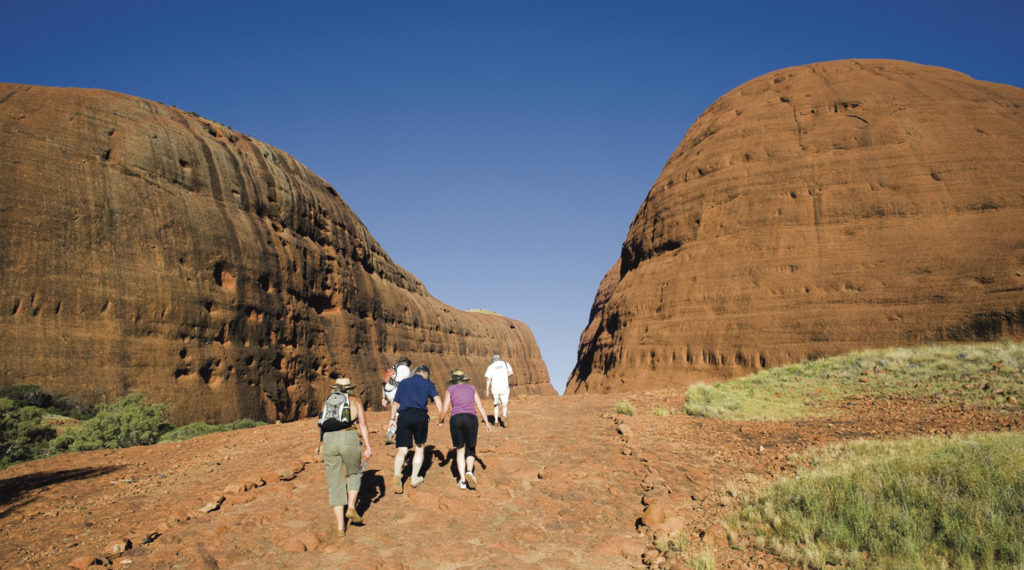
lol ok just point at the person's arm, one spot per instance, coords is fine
(437, 402)
(384, 387)
(363, 431)
(480, 408)
(394, 413)
(447, 406)
(487, 389)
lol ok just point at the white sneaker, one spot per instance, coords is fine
(470, 480)
(462, 485)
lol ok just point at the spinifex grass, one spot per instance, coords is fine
(921, 503)
(625, 408)
(987, 374)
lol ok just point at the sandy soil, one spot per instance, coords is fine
(569, 484)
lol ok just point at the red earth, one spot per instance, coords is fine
(568, 484)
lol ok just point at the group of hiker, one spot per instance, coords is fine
(407, 393)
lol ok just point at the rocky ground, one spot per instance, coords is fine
(569, 484)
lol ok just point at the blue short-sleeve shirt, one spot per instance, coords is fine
(415, 392)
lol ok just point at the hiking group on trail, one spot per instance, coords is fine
(408, 395)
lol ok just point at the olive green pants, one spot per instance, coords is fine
(341, 460)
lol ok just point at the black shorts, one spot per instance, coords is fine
(412, 426)
(464, 428)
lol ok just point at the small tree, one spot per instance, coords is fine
(128, 421)
(23, 435)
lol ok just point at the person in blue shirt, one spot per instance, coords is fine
(410, 418)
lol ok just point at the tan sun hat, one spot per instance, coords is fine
(340, 382)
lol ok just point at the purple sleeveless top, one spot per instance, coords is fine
(462, 398)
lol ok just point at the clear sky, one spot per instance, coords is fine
(496, 150)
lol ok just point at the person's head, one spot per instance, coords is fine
(422, 371)
(404, 360)
(458, 377)
(341, 384)
(496, 358)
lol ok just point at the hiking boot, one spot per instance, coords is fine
(504, 422)
(396, 483)
(462, 485)
(353, 516)
(470, 480)
(341, 532)
(417, 481)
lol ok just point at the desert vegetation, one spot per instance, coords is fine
(930, 502)
(625, 408)
(923, 502)
(35, 424)
(985, 374)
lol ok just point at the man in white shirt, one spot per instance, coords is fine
(498, 387)
(400, 371)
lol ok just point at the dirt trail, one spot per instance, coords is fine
(563, 487)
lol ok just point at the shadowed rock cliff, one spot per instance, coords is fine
(816, 210)
(148, 249)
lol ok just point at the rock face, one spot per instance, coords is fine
(148, 249)
(816, 210)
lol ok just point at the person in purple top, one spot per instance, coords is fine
(463, 402)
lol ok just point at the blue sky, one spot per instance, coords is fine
(497, 150)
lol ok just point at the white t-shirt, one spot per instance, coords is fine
(402, 372)
(498, 373)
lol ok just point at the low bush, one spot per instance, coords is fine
(197, 429)
(23, 434)
(32, 395)
(128, 421)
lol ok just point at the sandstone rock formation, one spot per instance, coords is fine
(816, 210)
(148, 249)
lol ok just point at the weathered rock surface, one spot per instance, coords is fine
(148, 249)
(816, 210)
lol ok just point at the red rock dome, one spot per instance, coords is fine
(148, 249)
(816, 210)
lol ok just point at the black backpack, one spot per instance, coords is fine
(337, 413)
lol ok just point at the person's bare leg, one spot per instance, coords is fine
(339, 513)
(351, 513)
(417, 464)
(460, 460)
(396, 481)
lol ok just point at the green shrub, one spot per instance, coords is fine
(27, 395)
(32, 395)
(661, 411)
(197, 429)
(128, 421)
(23, 435)
(625, 408)
(920, 503)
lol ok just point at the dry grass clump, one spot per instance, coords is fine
(931, 502)
(625, 408)
(985, 374)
